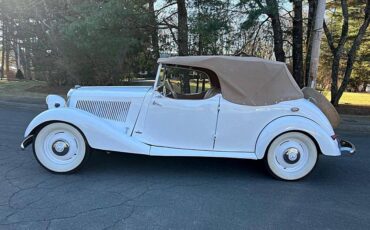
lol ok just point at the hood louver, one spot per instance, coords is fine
(111, 110)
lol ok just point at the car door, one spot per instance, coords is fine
(182, 123)
(185, 124)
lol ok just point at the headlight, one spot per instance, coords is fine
(55, 101)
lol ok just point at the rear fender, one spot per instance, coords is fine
(281, 125)
(99, 133)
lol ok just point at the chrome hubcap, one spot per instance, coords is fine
(291, 155)
(60, 147)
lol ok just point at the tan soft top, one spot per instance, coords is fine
(246, 80)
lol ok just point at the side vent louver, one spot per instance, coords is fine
(111, 110)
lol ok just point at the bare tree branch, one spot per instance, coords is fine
(329, 37)
(158, 11)
(170, 27)
(344, 33)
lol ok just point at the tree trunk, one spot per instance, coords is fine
(298, 43)
(364, 86)
(27, 57)
(352, 55)
(316, 41)
(16, 56)
(7, 48)
(154, 30)
(338, 51)
(273, 13)
(182, 39)
(311, 21)
(30, 63)
(200, 45)
(3, 48)
(334, 75)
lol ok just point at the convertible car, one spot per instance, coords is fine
(201, 106)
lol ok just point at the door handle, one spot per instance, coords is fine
(157, 104)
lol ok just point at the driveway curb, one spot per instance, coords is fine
(354, 123)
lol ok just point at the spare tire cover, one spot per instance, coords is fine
(324, 105)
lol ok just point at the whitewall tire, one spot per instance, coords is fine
(60, 148)
(291, 156)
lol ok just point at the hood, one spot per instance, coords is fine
(109, 91)
(117, 105)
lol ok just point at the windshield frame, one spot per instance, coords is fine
(157, 78)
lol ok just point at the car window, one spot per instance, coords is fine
(187, 81)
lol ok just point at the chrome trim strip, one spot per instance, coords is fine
(26, 142)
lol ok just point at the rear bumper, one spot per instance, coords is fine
(346, 147)
(26, 142)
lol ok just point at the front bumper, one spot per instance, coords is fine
(346, 147)
(26, 142)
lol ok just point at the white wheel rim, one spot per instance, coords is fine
(60, 147)
(292, 156)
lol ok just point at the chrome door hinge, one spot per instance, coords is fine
(157, 104)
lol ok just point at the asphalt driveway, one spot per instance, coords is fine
(119, 191)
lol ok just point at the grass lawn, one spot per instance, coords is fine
(16, 89)
(349, 98)
(28, 89)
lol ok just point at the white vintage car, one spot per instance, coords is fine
(202, 106)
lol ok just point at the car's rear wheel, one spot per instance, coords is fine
(60, 148)
(291, 156)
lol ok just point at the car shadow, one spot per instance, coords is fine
(126, 164)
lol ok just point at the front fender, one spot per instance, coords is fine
(99, 133)
(327, 145)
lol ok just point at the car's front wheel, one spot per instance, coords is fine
(291, 156)
(60, 148)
